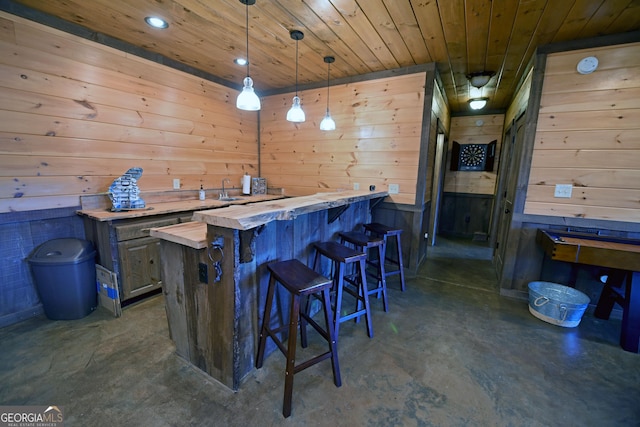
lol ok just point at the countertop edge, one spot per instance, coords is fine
(153, 209)
(248, 217)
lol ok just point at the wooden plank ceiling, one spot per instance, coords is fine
(461, 36)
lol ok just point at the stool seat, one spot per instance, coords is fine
(381, 229)
(338, 252)
(364, 242)
(301, 282)
(298, 278)
(385, 231)
(342, 256)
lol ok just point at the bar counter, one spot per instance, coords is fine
(173, 206)
(244, 217)
(215, 279)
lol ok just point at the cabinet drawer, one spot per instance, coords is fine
(141, 229)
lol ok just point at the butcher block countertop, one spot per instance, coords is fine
(245, 217)
(192, 234)
(160, 208)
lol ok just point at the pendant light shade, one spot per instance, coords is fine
(247, 99)
(480, 79)
(328, 123)
(477, 103)
(295, 114)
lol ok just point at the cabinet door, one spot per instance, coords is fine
(140, 266)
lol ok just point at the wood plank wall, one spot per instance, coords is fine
(588, 135)
(520, 100)
(376, 141)
(75, 115)
(481, 129)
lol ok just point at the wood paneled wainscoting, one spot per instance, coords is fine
(465, 215)
(21, 233)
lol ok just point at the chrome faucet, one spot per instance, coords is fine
(224, 195)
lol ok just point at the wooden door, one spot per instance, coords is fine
(438, 184)
(514, 138)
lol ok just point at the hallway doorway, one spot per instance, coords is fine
(461, 262)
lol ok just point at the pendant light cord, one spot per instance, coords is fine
(247, 32)
(296, 67)
(328, 78)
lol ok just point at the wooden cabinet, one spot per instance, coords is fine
(139, 266)
(125, 247)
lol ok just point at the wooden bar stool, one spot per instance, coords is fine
(342, 256)
(385, 232)
(364, 242)
(301, 282)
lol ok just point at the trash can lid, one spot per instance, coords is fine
(63, 251)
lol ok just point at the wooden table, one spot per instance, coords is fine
(622, 255)
(214, 318)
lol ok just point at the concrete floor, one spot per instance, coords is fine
(450, 352)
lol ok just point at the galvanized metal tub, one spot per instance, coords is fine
(557, 304)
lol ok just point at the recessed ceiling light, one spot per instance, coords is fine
(156, 22)
(240, 61)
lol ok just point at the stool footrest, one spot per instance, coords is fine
(308, 363)
(276, 340)
(315, 325)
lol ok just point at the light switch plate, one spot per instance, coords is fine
(176, 184)
(356, 186)
(563, 191)
(394, 188)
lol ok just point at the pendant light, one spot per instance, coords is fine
(328, 123)
(247, 99)
(295, 114)
(477, 103)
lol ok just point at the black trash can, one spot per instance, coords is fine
(65, 274)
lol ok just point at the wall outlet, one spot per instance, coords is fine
(394, 188)
(203, 273)
(176, 183)
(356, 186)
(563, 190)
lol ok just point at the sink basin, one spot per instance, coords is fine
(229, 199)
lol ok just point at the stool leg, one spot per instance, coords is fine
(400, 263)
(266, 321)
(383, 278)
(338, 283)
(291, 355)
(365, 292)
(333, 345)
(306, 308)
